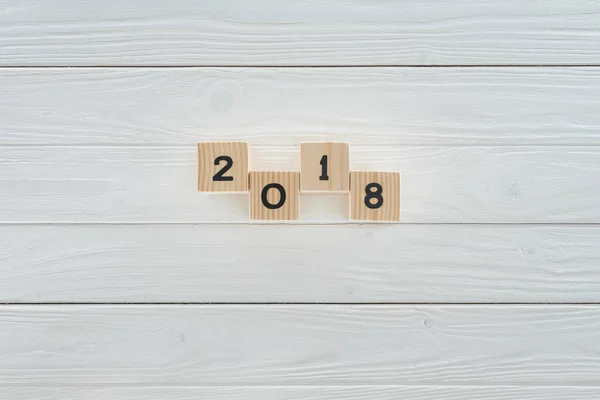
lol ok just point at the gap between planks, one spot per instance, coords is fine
(481, 144)
(250, 304)
(299, 223)
(308, 66)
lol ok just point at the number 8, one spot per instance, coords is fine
(373, 194)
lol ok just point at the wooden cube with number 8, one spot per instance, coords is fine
(274, 195)
(223, 167)
(375, 196)
(325, 167)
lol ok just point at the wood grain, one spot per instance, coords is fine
(139, 184)
(325, 167)
(301, 392)
(314, 264)
(299, 345)
(99, 204)
(287, 106)
(283, 200)
(332, 32)
(223, 166)
(384, 198)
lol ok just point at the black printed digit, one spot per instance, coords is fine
(228, 164)
(373, 191)
(324, 176)
(282, 196)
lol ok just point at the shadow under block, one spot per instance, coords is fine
(223, 167)
(274, 196)
(325, 167)
(381, 190)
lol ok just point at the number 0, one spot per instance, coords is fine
(265, 191)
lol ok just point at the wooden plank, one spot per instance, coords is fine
(441, 184)
(299, 345)
(301, 392)
(287, 106)
(332, 32)
(314, 264)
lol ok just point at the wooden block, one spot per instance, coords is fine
(274, 195)
(381, 190)
(223, 167)
(325, 167)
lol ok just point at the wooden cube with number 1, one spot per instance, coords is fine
(274, 195)
(223, 167)
(375, 196)
(325, 167)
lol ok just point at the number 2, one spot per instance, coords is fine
(218, 177)
(323, 162)
(373, 194)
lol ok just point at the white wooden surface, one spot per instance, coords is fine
(507, 184)
(331, 392)
(315, 32)
(286, 106)
(300, 345)
(489, 109)
(315, 264)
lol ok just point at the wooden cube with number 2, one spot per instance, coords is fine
(325, 167)
(375, 196)
(274, 195)
(223, 167)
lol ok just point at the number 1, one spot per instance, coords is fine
(324, 176)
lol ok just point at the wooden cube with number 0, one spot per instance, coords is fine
(223, 167)
(375, 196)
(325, 167)
(274, 195)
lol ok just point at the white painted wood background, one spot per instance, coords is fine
(119, 281)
